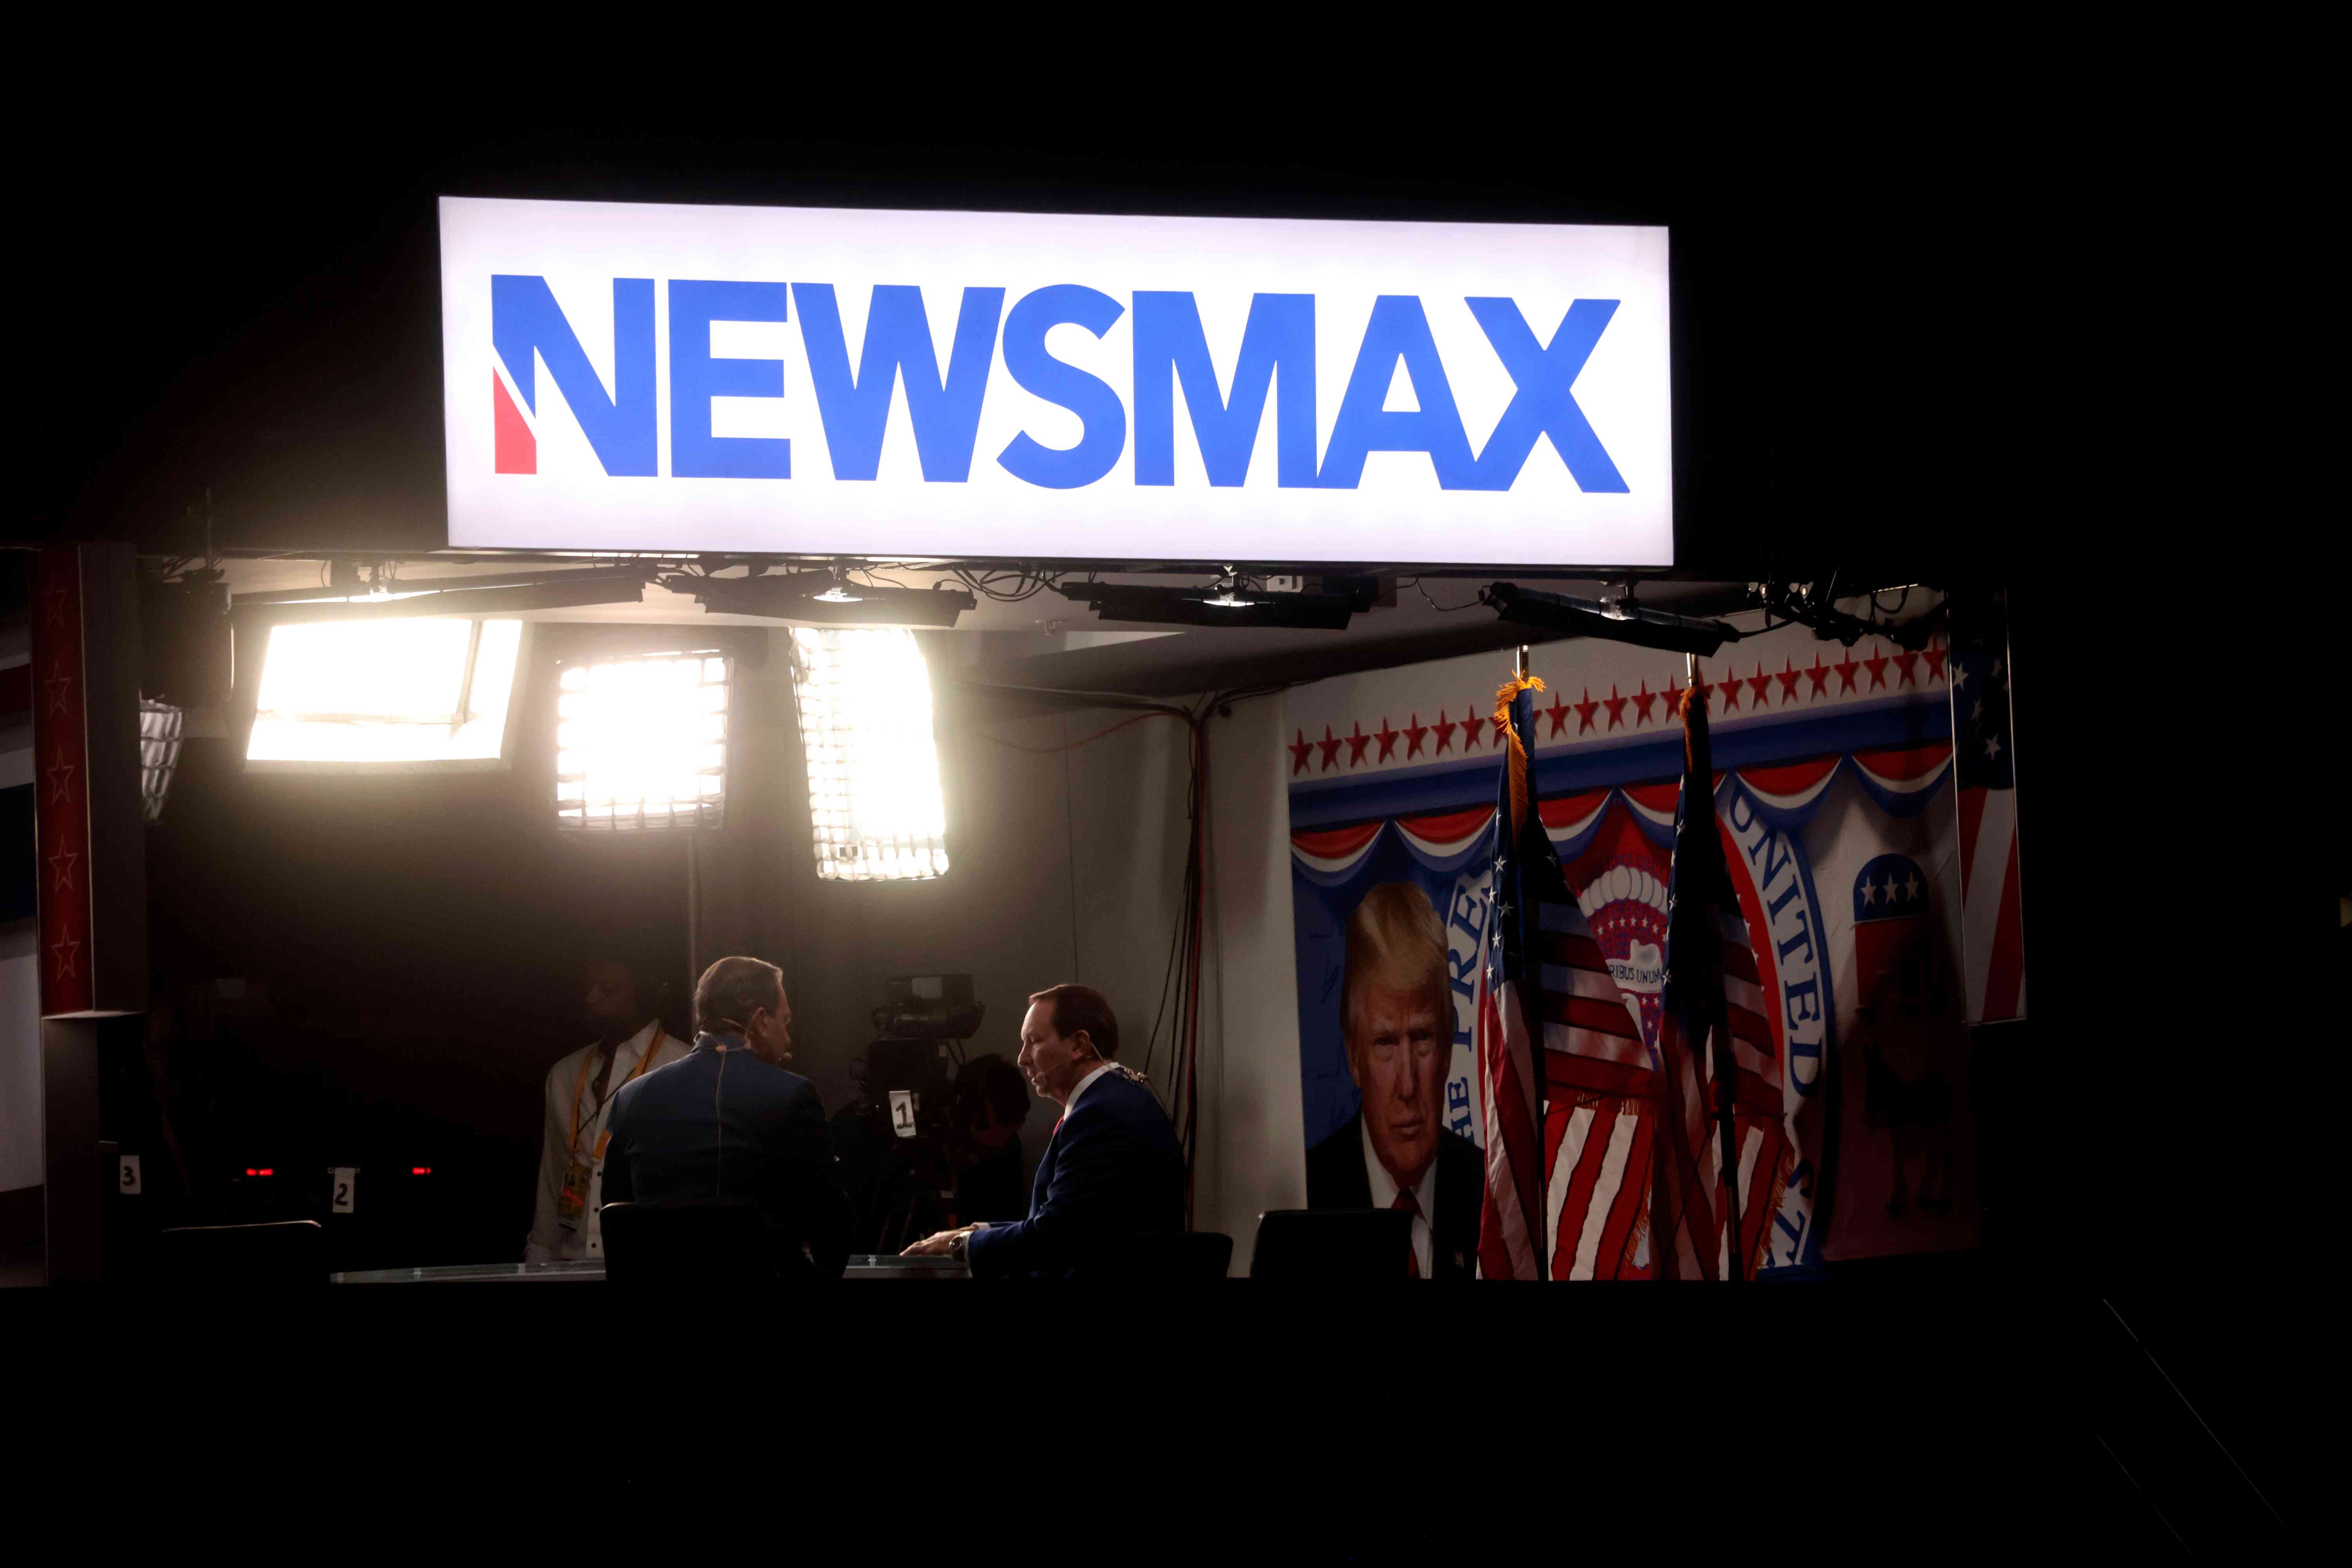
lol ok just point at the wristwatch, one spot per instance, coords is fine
(957, 1247)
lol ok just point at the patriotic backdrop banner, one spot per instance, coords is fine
(1834, 798)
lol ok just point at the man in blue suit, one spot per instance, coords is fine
(728, 1123)
(1111, 1171)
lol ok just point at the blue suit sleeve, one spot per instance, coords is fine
(1080, 1205)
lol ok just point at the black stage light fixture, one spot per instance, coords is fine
(1226, 603)
(1619, 620)
(1830, 622)
(503, 595)
(824, 599)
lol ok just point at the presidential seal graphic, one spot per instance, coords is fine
(1625, 903)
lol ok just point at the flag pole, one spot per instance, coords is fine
(1543, 1238)
(1719, 1028)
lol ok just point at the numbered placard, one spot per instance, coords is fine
(126, 1179)
(346, 1181)
(904, 1103)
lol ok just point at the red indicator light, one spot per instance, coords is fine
(265, 1170)
(420, 1170)
(251, 1172)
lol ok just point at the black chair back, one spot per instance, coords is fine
(1353, 1246)
(678, 1242)
(283, 1252)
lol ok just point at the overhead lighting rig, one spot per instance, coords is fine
(1230, 601)
(1803, 603)
(385, 596)
(822, 598)
(1617, 617)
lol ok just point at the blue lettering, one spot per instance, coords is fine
(945, 411)
(1171, 347)
(1398, 329)
(526, 326)
(695, 378)
(1743, 810)
(1465, 913)
(1103, 436)
(1804, 938)
(1798, 1015)
(1545, 403)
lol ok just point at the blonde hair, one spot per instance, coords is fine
(1395, 938)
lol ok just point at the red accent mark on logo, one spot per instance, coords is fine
(517, 448)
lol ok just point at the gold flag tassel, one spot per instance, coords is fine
(1503, 696)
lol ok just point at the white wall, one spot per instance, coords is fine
(1067, 865)
(1253, 1153)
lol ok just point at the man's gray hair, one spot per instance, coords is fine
(731, 990)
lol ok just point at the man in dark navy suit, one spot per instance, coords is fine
(1111, 1171)
(728, 1123)
(1397, 1016)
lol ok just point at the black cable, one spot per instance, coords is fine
(1441, 609)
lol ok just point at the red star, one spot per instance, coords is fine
(1726, 691)
(1876, 665)
(1936, 663)
(60, 685)
(57, 598)
(1846, 668)
(1788, 677)
(61, 773)
(1585, 711)
(62, 865)
(1557, 713)
(1330, 744)
(68, 950)
(1616, 706)
(1413, 731)
(1357, 742)
(1473, 729)
(1903, 669)
(1299, 751)
(1643, 699)
(1387, 738)
(1820, 674)
(1757, 684)
(1444, 728)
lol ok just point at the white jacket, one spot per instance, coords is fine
(551, 1237)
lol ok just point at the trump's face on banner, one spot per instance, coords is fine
(1398, 1022)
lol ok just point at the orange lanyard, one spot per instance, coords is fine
(580, 1084)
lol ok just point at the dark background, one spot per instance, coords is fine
(1890, 360)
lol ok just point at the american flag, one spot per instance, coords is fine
(1559, 1049)
(1715, 1052)
(1992, 926)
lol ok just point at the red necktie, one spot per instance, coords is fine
(1411, 1204)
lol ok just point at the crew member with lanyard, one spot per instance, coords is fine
(581, 1089)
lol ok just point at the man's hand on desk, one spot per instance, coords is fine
(940, 1243)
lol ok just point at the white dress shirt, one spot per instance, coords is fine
(1072, 1103)
(1384, 1192)
(552, 1238)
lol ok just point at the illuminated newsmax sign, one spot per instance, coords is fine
(882, 383)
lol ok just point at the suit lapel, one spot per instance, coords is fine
(1045, 1177)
